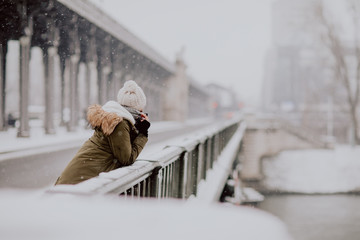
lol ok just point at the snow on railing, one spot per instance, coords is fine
(173, 172)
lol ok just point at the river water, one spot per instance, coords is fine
(317, 217)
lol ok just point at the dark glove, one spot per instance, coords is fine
(142, 127)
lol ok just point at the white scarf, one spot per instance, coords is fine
(115, 107)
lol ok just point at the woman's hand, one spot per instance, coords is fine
(143, 125)
(144, 117)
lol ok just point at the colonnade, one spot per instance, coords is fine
(68, 40)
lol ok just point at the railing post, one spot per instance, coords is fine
(190, 174)
(205, 157)
(167, 180)
(208, 153)
(154, 182)
(183, 175)
(194, 170)
(201, 164)
(171, 180)
(176, 180)
(212, 151)
(162, 186)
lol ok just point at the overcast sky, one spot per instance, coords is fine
(225, 41)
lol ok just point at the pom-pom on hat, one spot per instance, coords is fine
(131, 95)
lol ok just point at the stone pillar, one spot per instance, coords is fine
(104, 65)
(104, 76)
(49, 59)
(64, 91)
(115, 58)
(26, 30)
(69, 92)
(69, 50)
(92, 92)
(25, 43)
(115, 80)
(3, 47)
(73, 84)
(91, 83)
(46, 35)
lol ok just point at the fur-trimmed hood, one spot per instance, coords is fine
(108, 116)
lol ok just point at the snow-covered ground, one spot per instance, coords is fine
(39, 215)
(314, 171)
(56, 216)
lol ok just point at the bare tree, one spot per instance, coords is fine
(342, 71)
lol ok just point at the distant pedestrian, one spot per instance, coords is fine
(121, 132)
(11, 120)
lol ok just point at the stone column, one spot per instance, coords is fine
(91, 83)
(26, 27)
(104, 76)
(46, 35)
(92, 93)
(25, 42)
(104, 66)
(49, 59)
(88, 75)
(3, 46)
(73, 84)
(69, 50)
(64, 62)
(115, 78)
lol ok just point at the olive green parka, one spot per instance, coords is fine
(115, 143)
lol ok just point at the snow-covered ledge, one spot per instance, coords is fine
(210, 189)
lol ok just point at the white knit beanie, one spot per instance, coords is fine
(131, 95)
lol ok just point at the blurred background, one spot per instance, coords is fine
(297, 59)
(290, 69)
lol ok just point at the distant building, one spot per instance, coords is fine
(298, 79)
(292, 64)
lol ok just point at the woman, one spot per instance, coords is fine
(121, 132)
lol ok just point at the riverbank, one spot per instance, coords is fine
(313, 171)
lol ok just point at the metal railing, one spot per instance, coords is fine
(173, 172)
